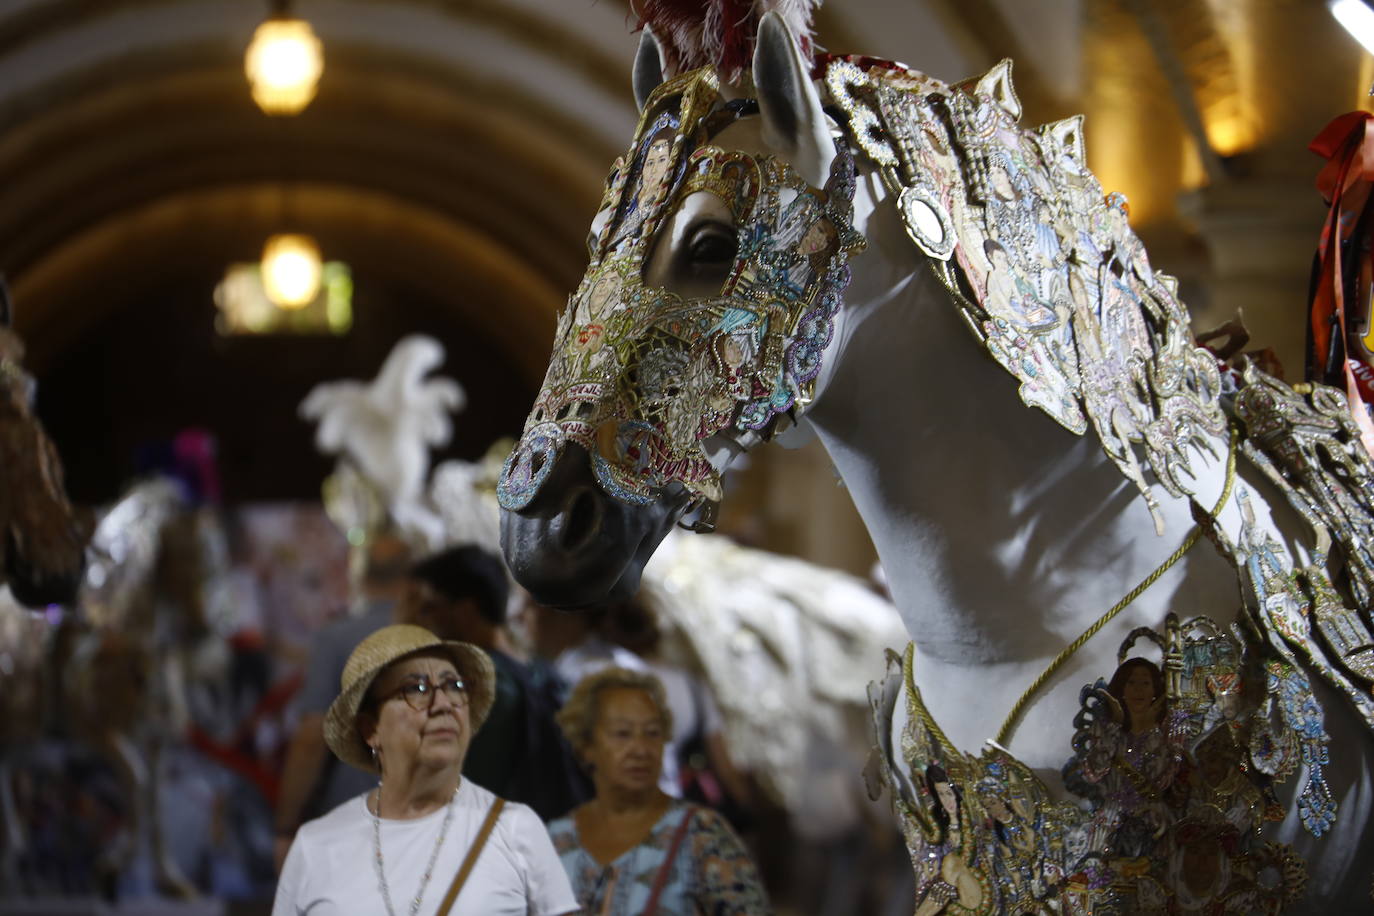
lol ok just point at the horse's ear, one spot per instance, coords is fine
(793, 121)
(648, 71)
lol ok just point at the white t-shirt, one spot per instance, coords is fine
(594, 654)
(331, 869)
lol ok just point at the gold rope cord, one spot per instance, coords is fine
(1013, 717)
(916, 706)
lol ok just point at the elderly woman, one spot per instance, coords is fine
(633, 849)
(425, 840)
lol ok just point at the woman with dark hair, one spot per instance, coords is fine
(653, 181)
(1136, 695)
(947, 802)
(1133, 756)
(948, 882)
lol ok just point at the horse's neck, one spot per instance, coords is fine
(1003, 536)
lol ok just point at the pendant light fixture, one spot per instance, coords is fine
(284, 62)
(291, 270)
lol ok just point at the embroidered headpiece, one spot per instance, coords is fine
(641, 376)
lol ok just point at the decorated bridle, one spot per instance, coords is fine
(641, 377)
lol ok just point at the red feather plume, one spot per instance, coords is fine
(718, 33)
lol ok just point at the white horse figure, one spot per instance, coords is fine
(386, 427)
(1004, 537)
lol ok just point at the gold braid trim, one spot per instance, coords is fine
(916, 706)
(1013, 718)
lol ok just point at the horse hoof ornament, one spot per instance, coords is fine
(720, 286)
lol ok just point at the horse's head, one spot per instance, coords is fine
(42, 537)
(718, 259)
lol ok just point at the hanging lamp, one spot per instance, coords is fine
(291, 270)
(284, 63)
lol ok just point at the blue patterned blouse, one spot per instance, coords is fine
(712, 874)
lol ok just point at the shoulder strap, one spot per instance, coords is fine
(667, 866)
(461, 878)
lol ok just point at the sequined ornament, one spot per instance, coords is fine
(1042, 262)
(1174, 811)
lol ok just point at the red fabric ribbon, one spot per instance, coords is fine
(1344, 182)
(232, 754)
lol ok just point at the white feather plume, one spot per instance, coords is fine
(385, 428)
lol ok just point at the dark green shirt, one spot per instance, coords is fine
(498, 744)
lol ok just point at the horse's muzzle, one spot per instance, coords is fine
(574, 545)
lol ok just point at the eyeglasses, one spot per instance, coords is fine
(420, 692)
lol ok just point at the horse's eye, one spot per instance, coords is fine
(712, 245)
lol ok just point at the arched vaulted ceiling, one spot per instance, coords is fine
(487, 119)
(453, 158)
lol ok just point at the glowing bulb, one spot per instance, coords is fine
(1357, 18)
(291, 270)
(284, 63)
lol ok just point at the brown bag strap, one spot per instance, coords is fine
(461, 878)
(667, 866)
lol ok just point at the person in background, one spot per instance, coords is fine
(578, 644)
(407, 710)
(461, 593)
(697, 744)
(313, 782)
(633, 849)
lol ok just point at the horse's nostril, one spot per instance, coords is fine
(583, 517)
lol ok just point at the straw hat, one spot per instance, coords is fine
(391, 644)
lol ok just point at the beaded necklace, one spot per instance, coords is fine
(433, 856)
